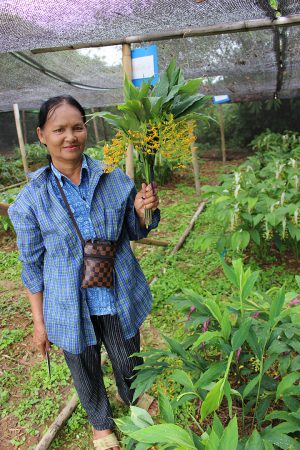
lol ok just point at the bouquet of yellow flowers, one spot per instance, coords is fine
(156, 121)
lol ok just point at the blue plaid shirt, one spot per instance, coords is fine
(100, 301)
(51, 254)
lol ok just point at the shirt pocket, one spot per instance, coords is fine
(112, 223)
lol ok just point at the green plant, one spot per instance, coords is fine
(157, 121)
(243, 349)
(11, 171)
(9, 337)
(35, 153)
(259, 203)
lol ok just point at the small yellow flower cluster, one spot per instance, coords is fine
(166, 136)
(114, 153)
(255, 363)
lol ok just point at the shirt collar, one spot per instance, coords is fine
(61, 177)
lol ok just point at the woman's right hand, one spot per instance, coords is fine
(40, 338)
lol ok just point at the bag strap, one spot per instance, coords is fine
(69, 209)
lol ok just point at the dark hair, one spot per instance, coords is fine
(52, 103)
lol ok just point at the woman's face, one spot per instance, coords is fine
(64, 133)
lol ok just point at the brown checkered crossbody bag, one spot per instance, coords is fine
(98, 256)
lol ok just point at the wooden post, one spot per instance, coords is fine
(95, 127)
(20, 138)
(104, 132)
(24, 126)
(223, 148)
(127, 68)
(196, 167)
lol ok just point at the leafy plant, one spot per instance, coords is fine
(240, 352)
(259, 202)
(157, 121)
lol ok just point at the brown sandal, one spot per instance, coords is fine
(106, 442)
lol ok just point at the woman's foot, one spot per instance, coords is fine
(100, 435)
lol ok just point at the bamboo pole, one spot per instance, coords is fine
(182, 239)
(6, 188)
(54, 428)
(61, 419)
(196, 167)
(20, 138)
(222, 132)
(188, 229)
(24, 126)
(149, 241)
(127, 68)
(234, 27)
(95, 127)
(102, 124)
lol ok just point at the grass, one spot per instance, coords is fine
(27, 393)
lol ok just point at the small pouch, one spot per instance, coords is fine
(98, 256)
(98, 263)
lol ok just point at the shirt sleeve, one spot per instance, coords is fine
(31, 247)
(134, 228)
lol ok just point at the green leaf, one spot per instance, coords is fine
(181, 377)
(248, 286)
(294, 231)
(165, 408)
(254, 345)
(214, 309)
(190, 87)
(225, 325)
(250, 386)
(213, 400)
(227, 392)
(257, 218)
(221, 198)
(255, 442)
(161, 88)
(229, 439)
(206, 337)
(241, 334)
(185, 105)
(272, 219)
(130, 91)
(229, 272)
(286, 383)
(176, 347)
(164, 434)
(255, 236)
(240, 239)
(252, 202)
(214, 371)
(268, 445)
(217, 426)
(276, 305)
(156, 104)
(281, 440)
(140, 417)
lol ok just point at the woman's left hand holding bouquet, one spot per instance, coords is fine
(146, 198)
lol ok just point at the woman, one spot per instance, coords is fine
(105, 206)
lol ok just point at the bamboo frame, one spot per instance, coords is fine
(127, 68)
(222, 132)
(96, 132)
(20, 138)
(196, 166)
(234, 27)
